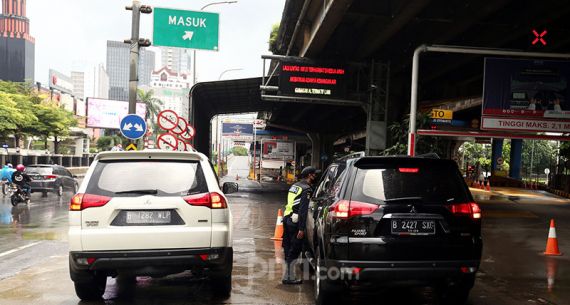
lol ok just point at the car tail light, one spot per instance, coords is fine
(210, 200)
(81, 202)
(345, 209)
(470, 209)
(409, 170)
(50, 177)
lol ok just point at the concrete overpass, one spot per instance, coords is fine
(379, 38)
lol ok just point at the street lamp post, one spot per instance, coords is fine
(194, 51)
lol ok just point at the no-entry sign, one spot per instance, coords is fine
(167, 120)
(167, 142)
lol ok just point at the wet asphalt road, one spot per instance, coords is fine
(33, 259)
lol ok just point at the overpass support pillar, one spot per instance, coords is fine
(377, 104)
(516, 158)
(496, 152)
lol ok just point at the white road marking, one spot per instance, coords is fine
(18, 249)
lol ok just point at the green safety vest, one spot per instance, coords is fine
(294, 198)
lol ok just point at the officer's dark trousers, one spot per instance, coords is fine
(291, 245)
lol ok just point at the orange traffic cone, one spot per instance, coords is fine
(482, 185)
(552, 243)
(278, 235)
(488, 186)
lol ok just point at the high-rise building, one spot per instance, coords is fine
(118, 58)
(17, 47)
(78, 81)
(101, 82)
(172, 89)
(176, 59)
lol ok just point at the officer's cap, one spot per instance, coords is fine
(309, 170)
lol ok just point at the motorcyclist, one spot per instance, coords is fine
(6, 173)
(6, 177)
(22, 180)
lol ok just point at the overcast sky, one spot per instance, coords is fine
(71, 35)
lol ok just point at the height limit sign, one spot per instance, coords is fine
(186, 29)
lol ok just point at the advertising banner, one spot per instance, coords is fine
(237, 131)
(108, 113)
(278, 150)
(526, 91)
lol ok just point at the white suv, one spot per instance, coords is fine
(150, 213)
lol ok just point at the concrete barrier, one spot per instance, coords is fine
(78, 171)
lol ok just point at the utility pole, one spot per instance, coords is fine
(136, 43)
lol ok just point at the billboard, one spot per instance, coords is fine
(312, 80)
(108, 113)
(278, 150)
(237, 131)
(60, 81)
(526, 95)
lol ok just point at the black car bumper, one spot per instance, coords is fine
(47, 186)
(401, 272)
(149, 262)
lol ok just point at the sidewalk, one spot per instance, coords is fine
(246, 185)
(518, 194)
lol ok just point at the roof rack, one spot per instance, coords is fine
(359, 154)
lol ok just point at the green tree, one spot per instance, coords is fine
(107, 142)
(273, 38)
(239, 151)
(153, 106)
(53, 121)
(10, 116)
(399, 135)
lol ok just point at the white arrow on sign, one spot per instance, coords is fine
(188, 35)
(128, 126)
(138, 127)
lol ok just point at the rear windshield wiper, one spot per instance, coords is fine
(150, 192)
(403, 199)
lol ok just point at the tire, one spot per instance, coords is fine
(221, 278)
(4, 189)
(14, 201)
(59, 190)
(456, 294)
(323, 291)
(222, 286)
(91, 290)
(75, 188)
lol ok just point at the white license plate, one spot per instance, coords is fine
(413, 227)
(148, 217)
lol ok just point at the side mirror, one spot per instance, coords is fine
(230, 187)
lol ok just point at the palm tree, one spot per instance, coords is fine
(153, 106)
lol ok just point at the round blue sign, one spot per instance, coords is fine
(133, 126)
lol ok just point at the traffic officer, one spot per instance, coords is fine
(294, 220)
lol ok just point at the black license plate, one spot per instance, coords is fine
(413, 227)
(148, 217)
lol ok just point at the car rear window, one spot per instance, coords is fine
(167, 177)
(40, 170)
(430, 183)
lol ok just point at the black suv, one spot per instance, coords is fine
(385, 221)
(51, 178)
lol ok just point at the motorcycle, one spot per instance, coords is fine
(6, 188)
(19, 196)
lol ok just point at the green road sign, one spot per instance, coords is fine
(186, 29)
